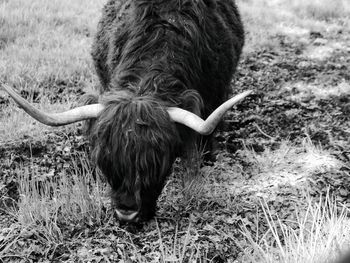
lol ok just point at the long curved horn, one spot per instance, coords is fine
(56, 119)
(205, 127)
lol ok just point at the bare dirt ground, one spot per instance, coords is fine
(301, 97)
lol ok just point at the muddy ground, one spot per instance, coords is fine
(301, 91)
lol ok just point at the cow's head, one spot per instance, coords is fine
(134, 144)
(134, 141)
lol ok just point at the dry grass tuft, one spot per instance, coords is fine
(50, 200)
(322, 235)
(49, 204)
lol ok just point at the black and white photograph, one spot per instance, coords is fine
(175, 131)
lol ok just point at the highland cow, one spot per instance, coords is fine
(163, 65)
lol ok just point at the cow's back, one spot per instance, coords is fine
(194, 43)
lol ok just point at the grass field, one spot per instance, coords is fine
(279, 191)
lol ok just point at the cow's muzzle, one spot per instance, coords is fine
(126, 215)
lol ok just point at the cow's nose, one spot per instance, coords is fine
(126, 215)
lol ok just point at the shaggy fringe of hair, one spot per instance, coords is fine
(133, 136)
(189, 100)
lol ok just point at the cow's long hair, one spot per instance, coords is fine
(134, 144)
(150, 55)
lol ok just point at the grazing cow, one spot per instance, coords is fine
(163, 65)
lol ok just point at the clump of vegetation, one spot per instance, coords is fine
(319, 234)
(50, 205)
(76, 197)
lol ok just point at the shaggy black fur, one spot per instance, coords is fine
(149, 55)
